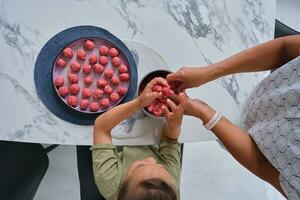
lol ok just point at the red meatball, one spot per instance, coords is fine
(105, 102)
(108, 73)
(115, 80)
(73, 78)
(74, 89)
(86, 68)
(98, 68)
(121, 91)
(59, 81)
(116, 61)
(67, 52)
(75, 66)
(97, 93)
(108, 90)
(63, 91)
(113, 52)
(94, 106)
(124, 77)
(84, 104)
(123, 69)
(61, 62)
(101, 83)
(86, 93)
(103, 60)
(92, 59)
(81, 54)
(89, 45)
(88, 80)
(103, 50)
(114, 97)
(72, 101)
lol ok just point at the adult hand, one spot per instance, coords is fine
(190, 77)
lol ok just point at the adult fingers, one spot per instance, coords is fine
(166, 112)
(172, 105)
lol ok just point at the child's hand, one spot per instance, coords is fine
(148, 96)
(174, 118)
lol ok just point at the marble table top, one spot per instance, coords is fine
(161, 34)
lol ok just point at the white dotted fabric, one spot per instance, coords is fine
(271, 115)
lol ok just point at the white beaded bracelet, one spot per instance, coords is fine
(213, 121)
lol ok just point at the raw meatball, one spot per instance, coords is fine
(124, 77)
(74, 89)
(108, 73)
(97, 93)
(94, 106)
(98, 68)
(103, 50)
(114, 97)
(84, 104)
(123, 69)
(115, 80)
(92, 59)
(105, 102)
(108, 90)
(73, 78)
(63, 91)
(88, 80)
(89, 45)
(68, 53)
(101, 83)
(103, 60)
(81, 54)
(121, 91)
(86, 93)
(113, 52)
(61, 62)
(75, 67)
(86, 68)
(72, 101)
(116, 61)
(59, 81)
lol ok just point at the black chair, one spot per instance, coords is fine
(88, 188)
(22, 168)
(282, 30)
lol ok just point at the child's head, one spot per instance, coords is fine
(146, 179)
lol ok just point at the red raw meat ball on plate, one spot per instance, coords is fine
(101, 83)
(97, 93)
(86, 93)
(98, 68)
(121, 91)
(72, 101)
(123, 69)
(75, 66)
(114, 97)
(94, 106)
(89, 45)
(74, 89)
(68, 52)
(103, 60)
(73, 78)
(105, 102)
(113, 52)
(59, 81)
(103, 50)
(61, 62)
(108, 90)
(84, 104)
(88, 80)
(124, 77)
(116, 61)
(115, 80)
(92, 59)
(81, 54)
(86, 69)
(63, 91)
(108, 73)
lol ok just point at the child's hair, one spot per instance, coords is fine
(151, 189)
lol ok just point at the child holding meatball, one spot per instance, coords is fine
(139, 172)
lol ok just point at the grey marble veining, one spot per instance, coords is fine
(184, 32)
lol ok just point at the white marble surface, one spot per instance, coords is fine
(190, 33)
(287, 11)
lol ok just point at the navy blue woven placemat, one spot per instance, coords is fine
(43, 71)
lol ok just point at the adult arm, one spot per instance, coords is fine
(266, 56)
(238, 143)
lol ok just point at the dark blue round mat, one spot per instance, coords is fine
(43, 71)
